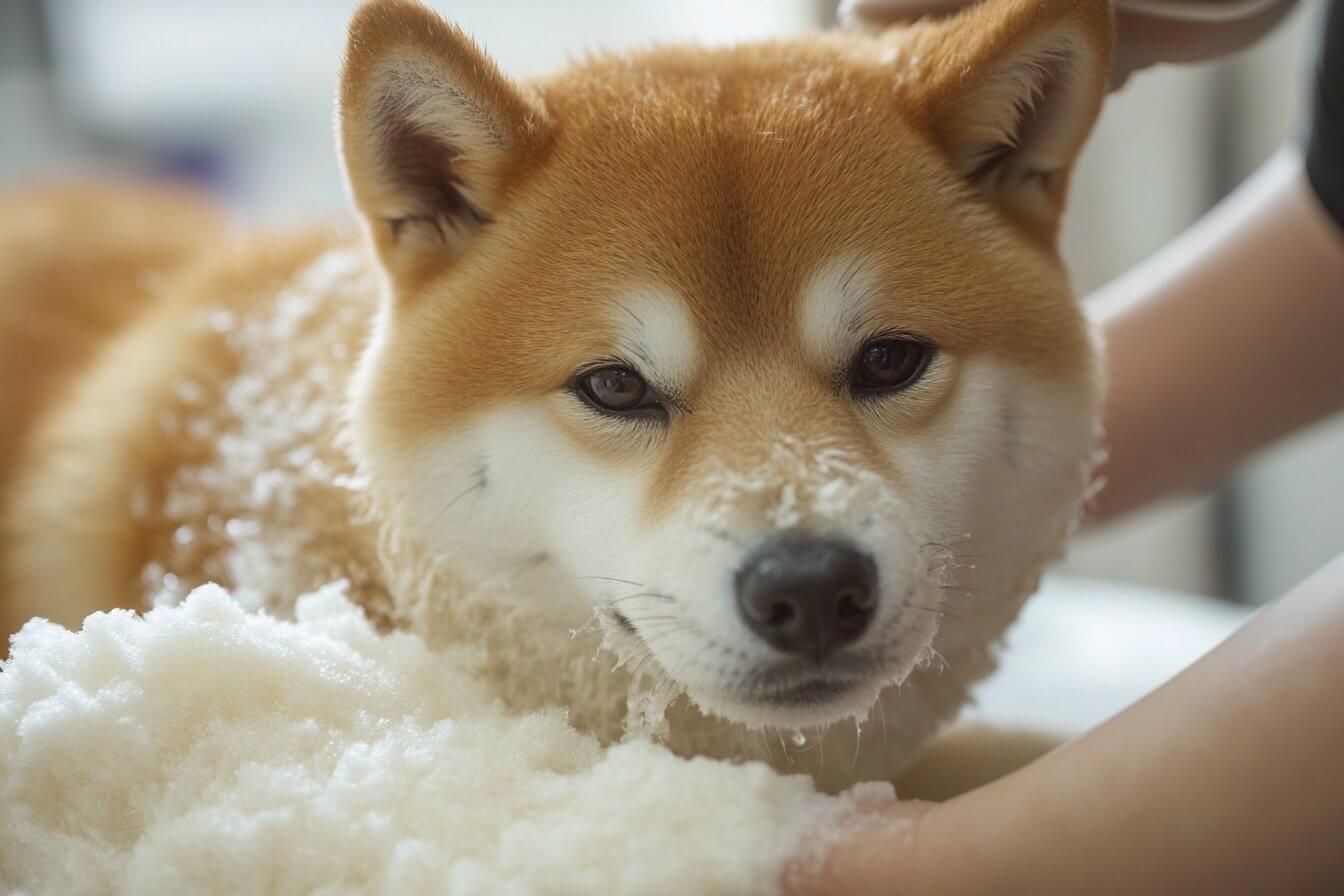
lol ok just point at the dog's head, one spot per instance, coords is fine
(748, 347)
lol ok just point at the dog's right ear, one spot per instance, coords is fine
(1009, 90)
(431, 134)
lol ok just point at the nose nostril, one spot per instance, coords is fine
(852, 605)
(781, 614)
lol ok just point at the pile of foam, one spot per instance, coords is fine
(202, 749)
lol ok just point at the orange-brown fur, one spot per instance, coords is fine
(71, 542)
(79, 264)
(727, 175)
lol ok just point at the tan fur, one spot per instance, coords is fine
(79, 264)
(73, 542)
(727, 175)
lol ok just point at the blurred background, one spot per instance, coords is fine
(238, 96)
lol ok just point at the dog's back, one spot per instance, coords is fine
(106, 297)
(79, 263)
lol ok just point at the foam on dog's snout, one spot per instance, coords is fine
(802, 483)
(201, 749)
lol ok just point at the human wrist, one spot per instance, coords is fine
(867, 854)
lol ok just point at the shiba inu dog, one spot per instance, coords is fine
(753, 371)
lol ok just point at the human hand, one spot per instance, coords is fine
(1169, 796)
(870, 851)
(1148, 32)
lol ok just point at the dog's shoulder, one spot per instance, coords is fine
(128, 459)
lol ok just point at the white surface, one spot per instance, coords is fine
(1084, 650)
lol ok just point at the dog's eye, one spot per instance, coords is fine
(618, 390)
(889, 364)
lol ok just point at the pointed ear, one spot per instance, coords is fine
(1010, 90)
(432, 135)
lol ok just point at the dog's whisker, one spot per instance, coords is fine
(611, 579)
(477, 485)
(649, 594)
(944, 545)
(765, 742)
(663, 629)
(660, 636)
(975, 558)
(943, 663)
(942, 611)
(648, 655)
(858, 743)
(640, 620)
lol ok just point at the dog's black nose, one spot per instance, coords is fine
(807, 596)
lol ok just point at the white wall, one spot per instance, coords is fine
(259, 76)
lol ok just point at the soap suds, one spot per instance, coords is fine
(801, 481)
(204, 749)
(258, 455)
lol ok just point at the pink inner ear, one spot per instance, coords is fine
(420, 166)
(1053, 124)
(1031, 112)
(427, 154)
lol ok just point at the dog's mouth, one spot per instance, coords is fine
(793, 692)
(821, 698)
(794, 695)
(812, 692)
(807, 686)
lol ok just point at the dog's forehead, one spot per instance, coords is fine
(834, 308)
(729, 218)
(742, 217)
(754, 232)
(745, 140)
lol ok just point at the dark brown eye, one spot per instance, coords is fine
(890, 363)
(616, 389)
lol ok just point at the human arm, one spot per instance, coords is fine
(1148, 32)
(1225, 780)
(1225, 340)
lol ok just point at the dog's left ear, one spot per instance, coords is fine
(1010, 89)
(432, 134)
